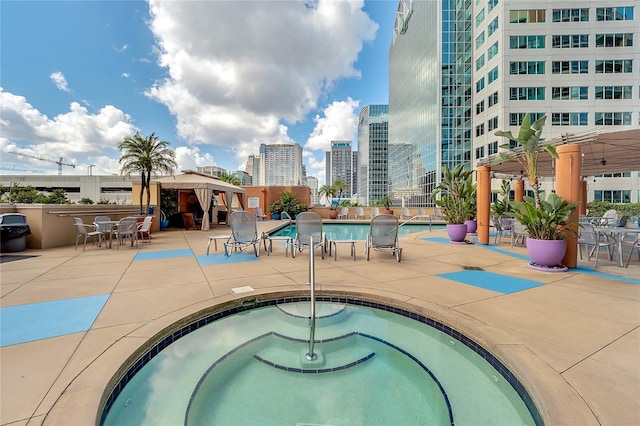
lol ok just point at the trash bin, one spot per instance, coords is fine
(222, 216)
(13, 232)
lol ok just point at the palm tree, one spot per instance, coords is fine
(145, 156)
(340, 186)
(327, 191)
(526, 149)
(230, 178)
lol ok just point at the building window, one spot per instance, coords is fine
(493, 99)
(526, 67)
(614, 175)
(479, 17)
(480, 129)
(613, 118)
(570, 41)
(492, 51)
(570, 93)
(569, 119)
(480, 40)
(526, 93)
(526, 42)
(480, 62)
(571, 15)
(614, 13)
(529, 16)
(492, 148)
(614, 40)
(492, 124)
(480, 85)
(613, 92)
(515, 118)
(614, 66)
(493, 75)
(613, 196)
(479, 152)
(570, 67)
(480, 107)
(493, 26)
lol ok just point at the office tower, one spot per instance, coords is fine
(214, 171)
(253, 168)
(341, 165)
(372, 170)
(280, 164)
(312, 183)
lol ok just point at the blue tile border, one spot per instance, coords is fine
(183, 331)
(504, 284)
(164, 254)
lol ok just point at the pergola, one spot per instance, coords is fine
(585, 154)
(205, 186)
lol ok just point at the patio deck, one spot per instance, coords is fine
(71, 318)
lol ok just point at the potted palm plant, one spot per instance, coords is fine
(452, 192)
(544, 218)
(386, 202)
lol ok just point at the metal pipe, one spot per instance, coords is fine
(311, 356)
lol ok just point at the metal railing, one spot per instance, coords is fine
(311, 356)
(419, 216)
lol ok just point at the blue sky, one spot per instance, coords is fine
(213, 78)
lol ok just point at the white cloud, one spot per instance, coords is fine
(191, 158)
(260, 64)
(121, 48)
(125, 75)
(60, 81)
(80, 137)
(340, 122)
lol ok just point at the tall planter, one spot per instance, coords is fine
(547, 254)
(457, 232)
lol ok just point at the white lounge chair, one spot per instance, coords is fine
(344, 213)
(375, 211)
(383, 236)
(405, 213)
(359, 213)
(260, 214)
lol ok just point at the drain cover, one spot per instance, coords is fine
(472, 268)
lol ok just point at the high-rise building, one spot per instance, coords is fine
(280, 164)
(460, 70)
(253, 168)
(340, 165)
(429, 95)
(372, 170)
(214, 171)
(312, 183)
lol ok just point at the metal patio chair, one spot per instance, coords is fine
(244, 233)
(86, 231)
(127, 228)
(383, 236)
(308, 225)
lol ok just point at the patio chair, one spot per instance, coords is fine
(260, 214)
(518, 233)
(383, 236)
(144, 229)
(375, 211)
(405, 213)
(437, 213)
(344, 213)
(308, 225)
(86, 231)
(359, 213)
(422, 212)
(104, 225)
(244, 233)
(127, 228)
(503, 227)
(592, 240)
(634, 246)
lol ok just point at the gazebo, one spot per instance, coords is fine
(204, 186)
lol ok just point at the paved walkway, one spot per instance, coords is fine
(69, 318)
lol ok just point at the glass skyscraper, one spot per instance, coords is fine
(372, 170)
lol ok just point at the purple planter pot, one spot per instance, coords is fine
(457, 232)
(472, 226)
(546, 252)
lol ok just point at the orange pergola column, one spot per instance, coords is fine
(519, 190)
(483, 189)
(569, 187)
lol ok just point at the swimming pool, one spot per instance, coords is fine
(354, 231)
(247, 366)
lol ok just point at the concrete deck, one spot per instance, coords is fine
(573, 339)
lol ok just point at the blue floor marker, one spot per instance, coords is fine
(35, 321)
(165, 254)
(491, 281)
(221, 259)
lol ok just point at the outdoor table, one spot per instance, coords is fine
(333, 245)
(617, 233)
(269, 239)
(215, 239)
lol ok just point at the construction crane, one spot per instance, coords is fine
(16, 169)
(59, 162)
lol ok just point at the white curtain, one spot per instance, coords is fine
(204, 197)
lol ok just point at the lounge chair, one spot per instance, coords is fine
(244, 233)
(86, 231)
(308, 225)
(375, 211)
(383, 236)
(260, 214)
(359, 213)
(405, 213)
(422, 213)
(344, 213)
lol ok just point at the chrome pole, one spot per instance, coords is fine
(311, 356)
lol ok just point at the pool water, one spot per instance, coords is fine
(374, 367)
(354, 231)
